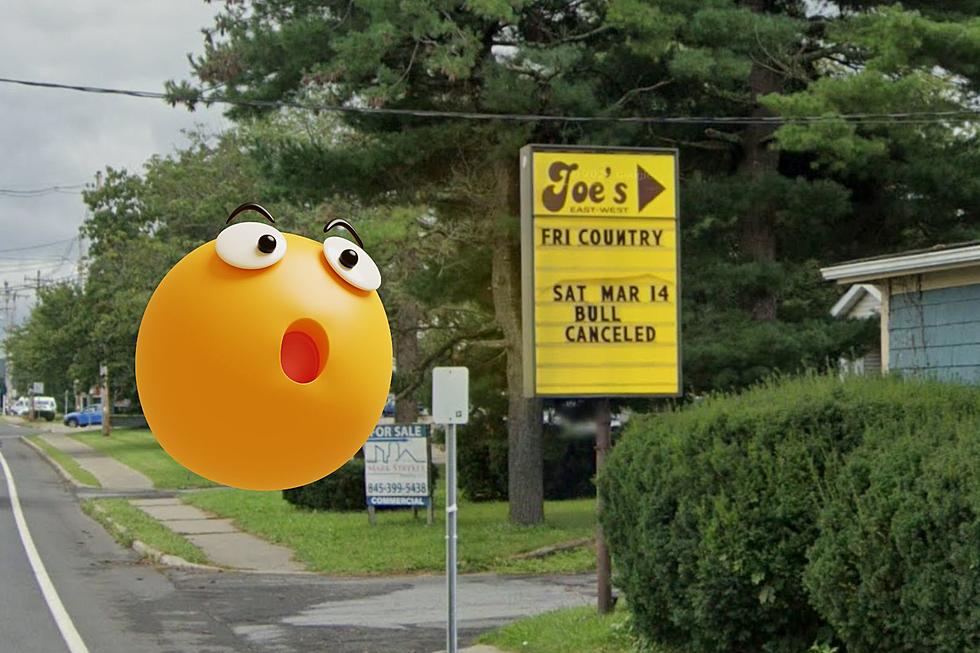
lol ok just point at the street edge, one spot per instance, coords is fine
(62, 472)
(142, 548)
(148, 552)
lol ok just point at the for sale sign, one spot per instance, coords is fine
(396, 465)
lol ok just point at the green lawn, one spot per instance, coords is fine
(67, 463)
(137, 525)
(138, 449)
(345, 544)
(575, 630)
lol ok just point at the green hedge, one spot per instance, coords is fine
(710, 511)
(482, 459)
(896, 566)
(342, 491)
(569, 464)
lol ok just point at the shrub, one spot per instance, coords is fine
(710, 510)
(482, 459)
(342, 490)
(569, 464)
(896, 566)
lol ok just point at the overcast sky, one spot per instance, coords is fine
(53, 137)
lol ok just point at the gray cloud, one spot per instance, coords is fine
(50, 137)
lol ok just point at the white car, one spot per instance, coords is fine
(44, 407)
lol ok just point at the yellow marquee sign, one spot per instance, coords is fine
(600, 261)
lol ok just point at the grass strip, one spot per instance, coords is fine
(137, 448)
(345, 544)
(573, 630)
(67, 463)
(126, 523)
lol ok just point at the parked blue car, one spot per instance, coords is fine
(85, 417)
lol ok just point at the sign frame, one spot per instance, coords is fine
(528, 286)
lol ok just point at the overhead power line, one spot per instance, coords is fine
(911, 117)
(39, 245)
(38, 192)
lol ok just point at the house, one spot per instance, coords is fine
(930, 308)
(861, 301)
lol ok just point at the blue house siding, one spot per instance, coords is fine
(936, 333)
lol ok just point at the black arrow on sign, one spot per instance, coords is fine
(647, 187)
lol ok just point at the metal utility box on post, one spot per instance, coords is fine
(450, 406)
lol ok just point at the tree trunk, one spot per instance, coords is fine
(407, 357)
(525, 467)
(525, 482)
(757, 237)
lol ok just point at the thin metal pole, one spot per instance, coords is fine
(451, 510)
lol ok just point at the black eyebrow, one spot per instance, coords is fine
(251, 206)
(346, 225)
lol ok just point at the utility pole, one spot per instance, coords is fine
(8, 320)
(106, 402)
(37, 293)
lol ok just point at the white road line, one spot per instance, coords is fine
(67, 627)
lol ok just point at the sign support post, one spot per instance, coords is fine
(431, 508)
(450, 406)
(451, 511)
(603, 442)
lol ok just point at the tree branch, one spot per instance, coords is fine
(628, 95)
(419, 372)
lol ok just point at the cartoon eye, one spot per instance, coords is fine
(250, 245)
(352, 263)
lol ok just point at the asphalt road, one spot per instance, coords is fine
(118, 604)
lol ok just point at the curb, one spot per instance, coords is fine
(148, 552)
(57, 467)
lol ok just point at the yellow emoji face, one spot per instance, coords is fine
(263, 360)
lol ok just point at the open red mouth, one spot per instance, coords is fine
(303, 352)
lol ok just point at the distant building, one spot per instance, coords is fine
(861, 301)
(929, 305)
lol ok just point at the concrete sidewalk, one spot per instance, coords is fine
(221, 542)
(112, 474)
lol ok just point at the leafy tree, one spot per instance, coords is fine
(140, 226)
(44, 348)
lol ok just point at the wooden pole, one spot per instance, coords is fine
(106, 402)
(603, 442)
